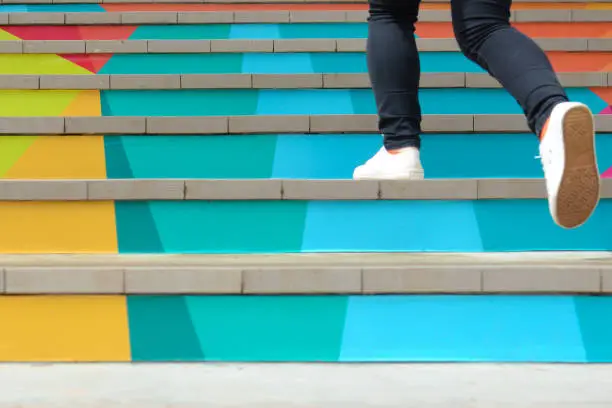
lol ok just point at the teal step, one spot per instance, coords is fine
(353, 226)
(311, 101)
(322, 156)
(270, 63)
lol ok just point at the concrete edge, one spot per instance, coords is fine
(259, 124)
(256, 45)
(267, 81)
(276, 189)
(309, 280)
(238, 17)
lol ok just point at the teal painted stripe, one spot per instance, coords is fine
(316, 156)
(251, 31)
(347, 226)
(161, 329)
(472, 328)
(195, 102)
(269, 63)
(51, 8)
(273, 328)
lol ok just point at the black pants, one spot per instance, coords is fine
(484, 35)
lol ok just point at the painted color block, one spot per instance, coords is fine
(161, 329)
(594, 314)
(179, 103)
(64, 328)
(316, 156)
(60, 157)
(202, 226)
(183, 32)
(462, 328)
(174, 64)
(57, 227)
(35, 103)
(269, 328)
(526, 225)
(391, 226)
(193, 156)
(136, 229)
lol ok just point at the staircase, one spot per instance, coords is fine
(161, 160)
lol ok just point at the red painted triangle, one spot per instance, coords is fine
(106, 32)
(43, 32)
(91, 62)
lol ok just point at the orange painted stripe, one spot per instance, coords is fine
(233, 7)
(536, 30)
(580, 61)
(328, 7)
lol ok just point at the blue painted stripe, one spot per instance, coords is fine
(390, 226)
(254, 31)
(462, 328)
(313, 101)
(253, 63)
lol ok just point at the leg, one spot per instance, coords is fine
(565, 129)
(393, 65)
(485, 36)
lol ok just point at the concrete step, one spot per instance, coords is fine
(268, 81)
(277, 16)
(308, 274)
(260, 124)
(261, 46)
(271, 189)
(299, 385)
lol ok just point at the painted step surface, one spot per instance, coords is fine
(307, 328)
(261, 63)
(294, 226)
(284, 156)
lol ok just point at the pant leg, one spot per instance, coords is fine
(393, 66)
(485, 36)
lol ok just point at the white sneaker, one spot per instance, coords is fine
(567, 150)
(402, 164)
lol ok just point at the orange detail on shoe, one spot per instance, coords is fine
(393, 151)
(543, 132)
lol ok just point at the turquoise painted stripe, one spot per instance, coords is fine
(462, 328)
(310, 101)
(281, 63)
(251, 31)
(61, 8)
(318, 157)
(272, 328)
(347, 226)
(419, 328)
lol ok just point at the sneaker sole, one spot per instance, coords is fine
(578, 193)
(413, 175)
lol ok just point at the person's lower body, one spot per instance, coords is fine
(485, 36)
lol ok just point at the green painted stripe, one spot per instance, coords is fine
(269, 328)
(161, 329)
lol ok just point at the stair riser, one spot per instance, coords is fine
(307, 329)
(294, 226)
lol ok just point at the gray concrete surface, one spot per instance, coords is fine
(310, 259)
(305, 385)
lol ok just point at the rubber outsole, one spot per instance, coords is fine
(578, 192)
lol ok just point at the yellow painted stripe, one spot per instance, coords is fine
(64, 328)
(57, 227)
(61, 157)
